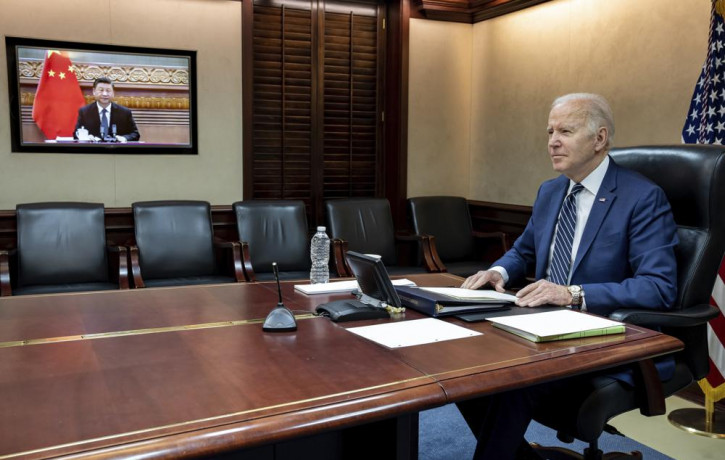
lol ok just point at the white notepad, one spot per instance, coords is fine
(340, 286)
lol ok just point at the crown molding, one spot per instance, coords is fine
(470, 11)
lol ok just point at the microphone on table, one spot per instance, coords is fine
(280, 319)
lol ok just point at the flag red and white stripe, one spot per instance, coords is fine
(716, 333)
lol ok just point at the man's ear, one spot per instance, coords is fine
(600, 141)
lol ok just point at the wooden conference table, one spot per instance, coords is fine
(188, 371)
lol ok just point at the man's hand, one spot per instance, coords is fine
(121, 139)
(543, 292)
(483, 278)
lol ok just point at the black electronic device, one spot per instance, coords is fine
(376, 292)
(132, 69)
(280, 319)
(350, 310)
(375, 285)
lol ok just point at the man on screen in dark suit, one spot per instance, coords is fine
(104, 119)
(600, 237)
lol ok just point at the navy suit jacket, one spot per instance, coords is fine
(626, 257)
(120, 116)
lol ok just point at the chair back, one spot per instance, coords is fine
(449, 220)
(61, 243)
(693, 178)
(366, 224)
(276, 231)
(174, 238)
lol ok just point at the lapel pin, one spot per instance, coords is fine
(602, 200)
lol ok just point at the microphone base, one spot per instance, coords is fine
(280, 319)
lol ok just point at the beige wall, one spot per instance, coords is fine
(439, 108)
(211, 27)
(644, 56)
(479, 94)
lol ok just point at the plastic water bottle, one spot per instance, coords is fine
(320, 255)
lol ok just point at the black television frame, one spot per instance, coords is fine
(17, 144)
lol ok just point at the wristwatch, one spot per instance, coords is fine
(577, 296)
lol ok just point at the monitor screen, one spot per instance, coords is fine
(90, 98)
(373, 278)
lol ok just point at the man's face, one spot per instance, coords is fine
(103, 92)
(574, 150)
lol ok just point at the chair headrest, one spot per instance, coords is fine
(692, 177)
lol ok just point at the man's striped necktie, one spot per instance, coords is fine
(561, 258)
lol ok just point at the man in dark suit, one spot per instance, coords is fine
(600, 237)
(104, 119)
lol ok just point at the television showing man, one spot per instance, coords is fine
(105, 120)
(600, 237)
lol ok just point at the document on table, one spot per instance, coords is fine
(473, 295)
(340, 286)
(415, 332)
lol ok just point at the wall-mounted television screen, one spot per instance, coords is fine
(90, 98)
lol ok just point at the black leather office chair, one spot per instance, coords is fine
(366, 225)
(457, 248)
(61, 247)
(693, 177)
(175, 246)
(273, 231)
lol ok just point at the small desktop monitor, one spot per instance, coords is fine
(373, 278)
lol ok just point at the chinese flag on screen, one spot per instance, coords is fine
(58, 97)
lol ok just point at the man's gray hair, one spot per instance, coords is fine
(598, 111)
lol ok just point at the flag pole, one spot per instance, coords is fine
(704, 422)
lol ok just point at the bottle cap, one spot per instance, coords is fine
(321, 228)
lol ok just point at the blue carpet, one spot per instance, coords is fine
(444, 435)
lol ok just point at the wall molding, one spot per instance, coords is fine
(470, 11)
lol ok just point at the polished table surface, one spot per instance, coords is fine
(189, 371)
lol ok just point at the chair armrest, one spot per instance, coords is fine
(118, 256)
(233, 248)
(500, 236)
(687, 317)
(431, 261)
(135, 267)
(247, 261)
(339, 249)
(5, 286)
(430, 255)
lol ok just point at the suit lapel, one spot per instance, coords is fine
(556, 199)
(602, 203)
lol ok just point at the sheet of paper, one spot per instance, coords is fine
(415, 332)
(472, 294)
(555, 322)
(340, 286)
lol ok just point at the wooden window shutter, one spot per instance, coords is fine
(316, 132)
(350, 127)
(282, 112)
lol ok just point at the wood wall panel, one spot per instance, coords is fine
(470, 11)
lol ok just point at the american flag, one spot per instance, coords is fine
(705, 124)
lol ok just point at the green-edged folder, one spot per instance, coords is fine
(557, 325)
